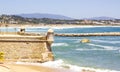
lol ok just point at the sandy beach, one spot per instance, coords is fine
(28, 68)
(35, 68)
(55, 25)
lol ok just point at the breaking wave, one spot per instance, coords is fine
(104, 47)
(102, 41)
(62, 65)
(59, 44)
(87, 49)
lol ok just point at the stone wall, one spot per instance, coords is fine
(88, 34)
(26, 47)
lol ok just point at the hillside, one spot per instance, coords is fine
(40, 15)
(101, 18)
(14, 19)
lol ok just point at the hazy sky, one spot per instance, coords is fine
(71, 8)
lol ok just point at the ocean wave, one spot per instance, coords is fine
(103, 41)
(119, 51)
(104, 47)
(54, 64)
(87, 49)
(68, 27)
(61, 64)
(59, 44)
(71, 27)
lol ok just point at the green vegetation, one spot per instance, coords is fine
(1, 57)
(13, 19)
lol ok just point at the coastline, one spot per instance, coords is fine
(38, 67)
(35, 68)
(29, 68)
(56, 26)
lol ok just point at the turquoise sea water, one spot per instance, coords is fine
(103, 52)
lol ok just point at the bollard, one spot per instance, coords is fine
(22, 30)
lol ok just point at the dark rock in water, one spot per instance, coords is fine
(85, 40)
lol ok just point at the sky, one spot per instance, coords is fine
(72, 8)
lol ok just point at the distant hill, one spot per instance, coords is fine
(101, 18)
(43, 15)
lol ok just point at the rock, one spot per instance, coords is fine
(85, 40)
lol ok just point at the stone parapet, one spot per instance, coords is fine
(26, 47)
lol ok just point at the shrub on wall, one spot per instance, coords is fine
(1, 57)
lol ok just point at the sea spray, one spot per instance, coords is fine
(62, 65)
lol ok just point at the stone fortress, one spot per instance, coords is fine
(26, 47)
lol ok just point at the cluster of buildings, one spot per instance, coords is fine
(101, 22)
(5, 19)
(12, 19)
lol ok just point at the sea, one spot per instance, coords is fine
(102, 54)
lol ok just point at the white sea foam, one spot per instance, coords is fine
(78, 49)
(61, 27)
(103, 41)
(105, 47)
(80, 69)
(65, 27)
(61, 64)
(59, 44)
(54, 64)
(87, 26)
